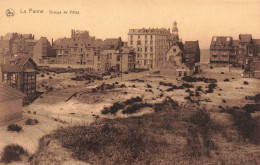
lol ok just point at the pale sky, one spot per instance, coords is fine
(197, 20)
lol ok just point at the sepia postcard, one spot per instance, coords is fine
(160, 82)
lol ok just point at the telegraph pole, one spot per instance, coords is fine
(121, 57)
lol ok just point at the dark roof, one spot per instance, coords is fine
(221, 41)
(235, 43)
(245, 37)
(8, 93)
(19, 60)
(256, 41)
(110, 43)
(11, 68)
(191, 46)
(179, 44)
(18, 64)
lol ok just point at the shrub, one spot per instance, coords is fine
(149, 86)
(246, 126)
(42, 75)
(122, 86)
(200, 118)
(14, 127)
(226, 80)
(199, 88)
(224, 101)
(135, 107)
(50, 77)
(222, 72)
(105, 111)
(186, 85)
(13, 152)
(132, 100)
(167, 104)
(246, 83)
(31, 121)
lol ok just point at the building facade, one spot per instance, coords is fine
(42, 52)
(20, 73)
(191, 53)
(225, 50)
(11, 103)
(151, 45)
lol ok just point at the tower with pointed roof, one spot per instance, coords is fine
(175, 35)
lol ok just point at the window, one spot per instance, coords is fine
(151, 42)
(131, 42)
(145, 55)
(145, 49)
(145, 42)
(118, 58)
(151, 55)
(29, 82)
(144, 62)
(138, 42)
(138, 36)
(174, 50)
(98, 58)
(145, 36)
(151, 37)
(151, 49)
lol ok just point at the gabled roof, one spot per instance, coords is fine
(179, 44)
(245, 37)
(8, 93)
(191, 46)
(8, 36)
(18, 64)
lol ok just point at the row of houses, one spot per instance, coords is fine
(226, 50)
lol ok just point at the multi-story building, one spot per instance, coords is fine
(151, 45)
(42, 52)
(220, 49)
(191, 53)
(124, 59)
(224, 50)
(80, 49)
(6, 43)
